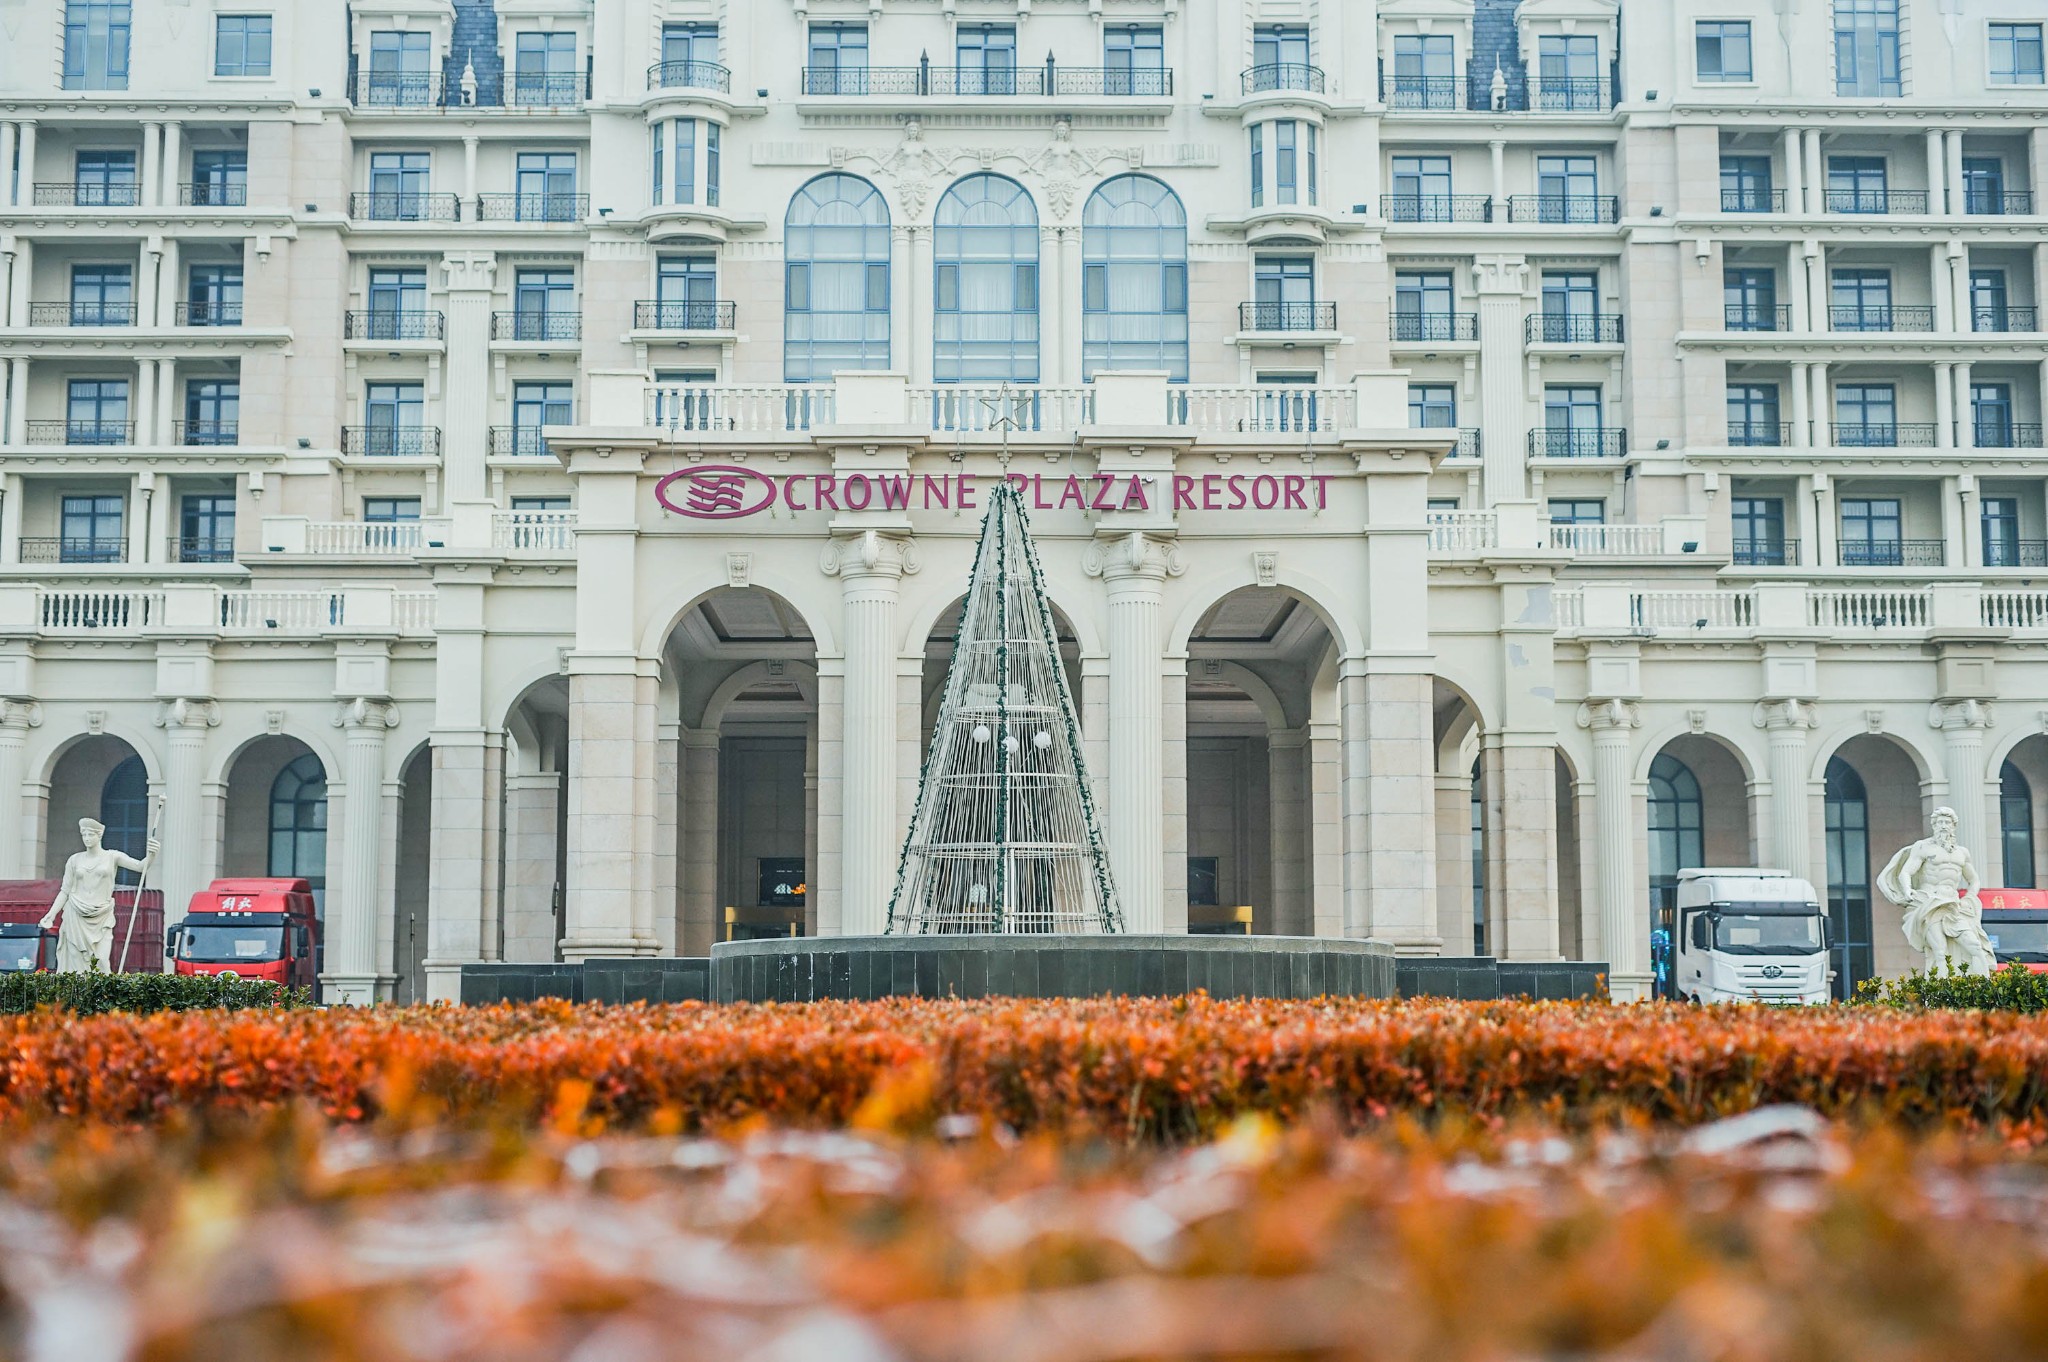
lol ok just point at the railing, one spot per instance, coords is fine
(1609, 540)
(203, 313)
(967, 408)
(398, 89)
(1512, 96)
(81, 609)
(63, 610)
(391, 441)
(1463, 531)
(1897, 435)
(2015, 608)
(85, 194)
(1765, 553)
(1881, 318)
(372, 538)
(1573, 94)
(205, 432)
(532, 207)
(1282, 75)
(381, 207)
(1606, 443)
(1757, 317)
(1433, 326)
(655, 314)
(1468, 445)
(1752, 433)
(424, 91)
(934, 78)
(1998, 202)
(413, 611)
(1287, 316)
(2016, 553)
(1703, 609)
(536, 326)
(2006, 435)
(81, 432)
(1899, 609)
(1582, 209)
(522, 442)
(81, 314)
(267, 612)
(2003, 319)
(201, 548)
(757, 407)
(1270, 408)
(206, 194)
(1424, 92)
(378, 324)
(62, 549)
(550, 90)
(1876, 200)
(1891, 553)
(1752, 200)
(1436, 207)
(534, 531)
(689, 75)
(1568, 328)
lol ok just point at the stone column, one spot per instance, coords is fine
(1520, 786)
(1944, 406)
(25, 185)
(668, 897)
(1326, 827)
(17, 393)
(150, 188)
(702, 921)
(172, 163)
(1503, 410)
(1134, 568)
(353, 975)
(1802, 411)
(1962, 724)
(1454, 860)
(7, 175)
(1787, 722)
(17, 717)
(1287, 780)
(902, 253)
(184, 856)
(1389, 807)
(919, 338)
(466, 376)
(1795, 181)
(532, 802)
(1052, 306)
(869, 565)
(1623, 938)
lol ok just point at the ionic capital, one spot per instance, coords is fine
(20, 714)
(173, 715)
(364, 714)
(1784, 715)
(1123, 557)
(1609, 715)
(1954, 715)
(869, 553)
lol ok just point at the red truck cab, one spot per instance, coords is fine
(26, 948)
(2016, 920)
(249, 929)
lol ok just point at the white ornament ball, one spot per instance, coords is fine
(981, 733)
(1010, 743)
(1041, 740)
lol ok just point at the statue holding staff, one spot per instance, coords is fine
(85, 900)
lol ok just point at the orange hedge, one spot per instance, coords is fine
(1173, 1068)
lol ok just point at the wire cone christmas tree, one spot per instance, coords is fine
(1005, 838)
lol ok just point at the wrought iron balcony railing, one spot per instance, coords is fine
(81, 432)
(2006, 434)
(1606, 443)
(532, 207)
(522, 442)
(658, 314)
(1757, 317)
(1770, 433)
(391, 441)
(1423, 92)
(1890, 553)
(1287, 316)
(689, 75)
(1567, 328)
(543, 90)
(201, 548)
(1468, 445)
(1752, 200)
(2004, 319)
(1434, 326)
(1998, 202)
(1876, 200)
(1881, 318)
(81, 314)
(536, 326)
(87, 194)
(1881, 435)
(2015, 553)
(202, 312)
(935, 78)
(208, 194)
(451, 90)
(387, 325)
(1436, 207)
(205, 432)
(1573, 94)
(1283, 75)
(1589, 209)
(62, 549)
(382, 207)
(1766, 553)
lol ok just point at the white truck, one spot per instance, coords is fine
(1746, 935)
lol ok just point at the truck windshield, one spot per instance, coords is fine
(1767, 933)
(2024, 941)
(18, 953)
(212, 943)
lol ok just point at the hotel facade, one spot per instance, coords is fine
(517, 463)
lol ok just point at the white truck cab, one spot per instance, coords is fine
(1747, 935)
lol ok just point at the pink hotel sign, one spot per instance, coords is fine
(729, 492)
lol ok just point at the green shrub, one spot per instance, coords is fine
(91, 993)
(2013, 989)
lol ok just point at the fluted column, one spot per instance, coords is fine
(870, 567)
(1786, 724)
(1134, 567)
(185, 868)
(465, 414)
(17, 717)
(1503, 446)
(1622, 938)
(1962, 724)
(918, 337)
(352, 975)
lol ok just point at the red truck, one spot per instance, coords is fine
(23, 903)
(2016, 920)
(249, 929)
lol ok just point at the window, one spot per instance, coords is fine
(690, 45)
(220, 179)
(535, 405)
(985, 59)
(1571, 304)
(1871, 532)
(1746, 184)
(298, 823)
(241, 45)
(544, 69)
(2015, 825)
(1572, 421)
(543, 305)
(1753, 414)
(124, 809)
(398, 304)
(1749, 299)
(206, 529)
(711, 131)
(1258, 136)
(835, 279)
(1422, 307)
(213, 295)
(1856, 184)
(96, 44)
(102, 295)
(212, 411)
(1867, 48)
(1991, 414)
(1134, 279)
(401, 69)
(1721, 51)
(390, 510)
(1987, 301)
(683, 398)
(1286, 171)
(1866, 414)
(96, 411)
(1983, 184)
(2016, 58)
(1568, 72)
(1134, 60)
(91, 531)
(1676, 840)
(1566, 189)
(681, 185)
(686, 293)
(985, 286)
(2000, 517)
(545, 187)
(838, 62)
(104, 179)
(1759, 524)
(1284, 293)
(395, 416)
(1425, 72)
(1433, 406)
(398, 186)
(1280, 46)
(1861, 300)
(1847, 819)
(1578, 511)
(1421, 189)
(1202, 886)
(1294, 163)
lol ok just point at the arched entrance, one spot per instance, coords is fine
(99, 777)
(1873, 806)
(1697, 815)
(2022, 809)
(411, 903)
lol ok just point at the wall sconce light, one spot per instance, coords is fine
(305, 443)
(1663, 444)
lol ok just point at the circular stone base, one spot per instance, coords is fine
(805, 969)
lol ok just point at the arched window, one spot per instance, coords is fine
(1478, 863)
(298, 822)
(2016, 826)
(1847, 817)
(835, 293)
(1134, 278)
(1675, 840)
(124, 808)
(985, 283)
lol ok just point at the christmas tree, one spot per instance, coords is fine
(1005, 837)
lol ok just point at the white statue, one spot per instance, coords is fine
(86, 900)
(1936, 883)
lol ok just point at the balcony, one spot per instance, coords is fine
(1618, 540)
(397, 90)
(928, 78)
(543, 90)
(1881, 318)
(2004, 319)
(405, 207)
(1894, 435)
(1879, 201)
(536, 326)
(1436, 207)
(1283, 75)
(1766, 553)
(1752, 200)
(379, 325)
(534, 531)
(81, 314)
(1287, 316)
(1574, 94)
(204, 194)
(64, 550)
(1757, 317)
(1424, 92)
(1574, 209)
(81, 432)
(200, 312)
(1607, 443)
(689, 75)
(2006, 435)
(518, 442)
(1565, 328)
(205, 432)
(2015, 553)
(1468, 446)
(1890, 553)
(425, 92)
(1769, 434)
(85, 194)
(657, 314)
(202, 548)
(1433, 326)
(1998, 202)
(532, 207)
(391, 442)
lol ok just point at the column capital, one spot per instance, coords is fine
(869, 553)
(470, 269)
(190, 714)
(1784, 715)
(1500, 274)
(1951, 716)
(365, 714)
(1133, 555)
(20, 714)
(1609, 715)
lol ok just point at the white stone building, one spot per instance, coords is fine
(1491, 454)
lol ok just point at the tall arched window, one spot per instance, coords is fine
(1676, 842)
(835, 295)
(124, 808)
(1134, 278)
(985, 283)
(2016, 826)
(298, 822)
(1847, 817)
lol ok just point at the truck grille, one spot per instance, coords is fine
(1787, 986)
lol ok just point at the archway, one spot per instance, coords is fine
(100, 777)
(1874, 805)
(276, 817)
(1460, 822)
(410, 901)
(2022, 816)
(1697, 815)
(534, 921)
